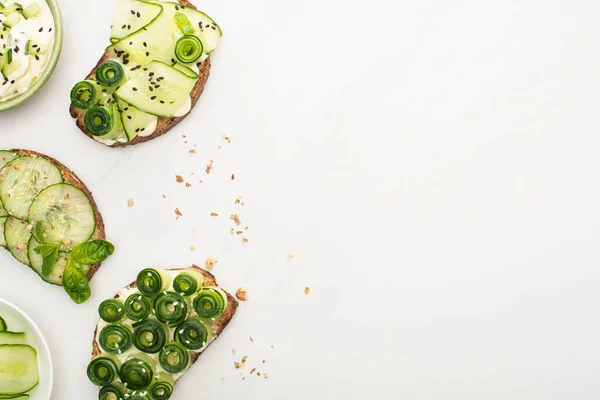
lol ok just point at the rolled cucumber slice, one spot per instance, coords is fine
(131, 16)
(136, 122)
(157, 89)
(22, 179)
(16, 235)
(66, 215)
(18, 369)
(12, 338)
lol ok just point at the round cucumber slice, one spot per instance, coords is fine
(22, 179)
(2, 240)
(66, 215)
(18, 369)
(5, 156)
(36, 261)
(16, 235)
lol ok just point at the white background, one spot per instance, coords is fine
(433, 165)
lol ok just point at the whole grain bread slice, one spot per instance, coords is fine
(164, 124)
(71, 178)
(220, 323)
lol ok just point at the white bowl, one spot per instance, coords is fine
(18, 321)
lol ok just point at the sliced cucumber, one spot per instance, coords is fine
(3, 326)
(31, 11)
(33, 48)
(186, 70)
(5, 156)
(157, 89)
(22, 179)
(12, 338)
(16, 235)
(65, 213)
(131, 16)
(157, 40)
(18, 369)
(2, 240)
(136, 122)
(12, 8)
(10, 69)
(36, 261)
(16, 397)
(12, 19)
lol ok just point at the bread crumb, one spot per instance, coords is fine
(242, 294)
(272, 346)
(244, 240)
(178, 213)
(193, 151)
(264, 361)
(201, 181)
(258, 374)
(18, 167)
(130, 203)
(243, 378)
(226, 138)
(232, 231)
(193, 230)
(237, 201)
(219, 147)
(252, 371)
(164, 196)
(187, 184)
(290, 256)
(192, 247)
(179, 178)
(246, 228)
(209, 166)
(235, 218)
(232, 177)
(307, 290)
(214, 214)
(265, 376)
(251, 339)
(210, 262)
(223, 379)
(237, 365)
(239, 232)
(233, 351)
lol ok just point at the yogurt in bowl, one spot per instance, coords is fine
(30, 41)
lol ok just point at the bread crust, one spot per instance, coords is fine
(164, 124)
(220, 323)
(71, 178)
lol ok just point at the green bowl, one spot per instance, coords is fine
(58, 27)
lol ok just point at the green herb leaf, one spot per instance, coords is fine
(92, 252)
(38, 232)
(49, 253)
(184, 24)
(75, 282)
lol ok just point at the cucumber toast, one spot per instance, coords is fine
(19, 372)
(151, 75)
(154, 330)
(49, 221)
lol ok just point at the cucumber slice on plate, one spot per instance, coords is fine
(22, 179)
(12, 338)
(66, 215)
(16, 235)
(136, 122)
(157, 89)
(3, 326)
(18, 369)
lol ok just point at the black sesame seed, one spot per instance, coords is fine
(143, 129)
(50, 30)
(37, 57)
(145, 44)
(138, 14)
(153, 97)
(145, 69)
(104, 90)
(147, 54)
(162, 102)
(12, 82)
(132, 12)
(40, 30)
(135, 89)
(137, 130)
(129, 117)
(173, 60)
(34, 45)
(156, 86)
(151, 73)
(124, 26)
(150, 88)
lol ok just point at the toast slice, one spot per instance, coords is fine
(218, 324)
(71, 178)
(164, 124)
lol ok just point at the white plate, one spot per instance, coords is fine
(18, 321)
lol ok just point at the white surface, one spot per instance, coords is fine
(432, 164)
(17, 321)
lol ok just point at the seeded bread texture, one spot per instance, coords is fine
(71, 178)
(164, 124)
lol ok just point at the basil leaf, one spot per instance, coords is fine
(75, 282)
(92, 252)
(49, 253)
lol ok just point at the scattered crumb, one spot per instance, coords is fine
(290, 256)
(187, 184)
(307, 290)
(258, 374)
(192, 247)
(232, 177)
(244, 240)
(242, 294)
(193, 230)
(193, 150)
(164, 196)
(226, 138)
(179, 178)
(243, 378)
(210, 262)
(219, 147)
(201, 181)
(209, 166)
(251, 339)
(252, 371)
(214, 214)
(265, 376)
(264, 361)
(130, 203)
(178, 213)
(235, 218)
(223, 379)
(239, 232)
(233, 351)
(237, 201)
(183, 136)
(237, 365)
(232, 231)
(246, 228)
(272, 346)
(244, 360)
